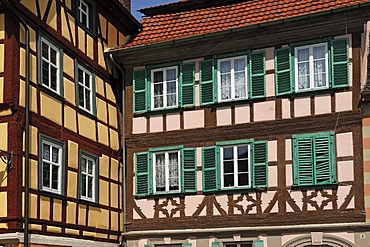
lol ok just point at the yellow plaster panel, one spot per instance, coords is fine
(1, 89)
(2, 61)
(69, 90)
(114, 169)
(44, 208)
(100, 86)
(71, 213)
(54, 229)
(3, 174)
(57, 210)
(51, 108)
(101, 59)
(104, 192)
(121, 38)
(101, 235)
(4, 226)
(30, 5)
(90, 47)
(33, 140)
(65, 30)
(112, 116)
(72, 24)
(114, 221)
(104, 166)
(4, 136)
(2, 26)
(70, 118)
(33, 99)
(110, 94)
(81, 39)
(86, 127)
(72, 184)
(22, 57)
(104, 219)
(42, 6)
(34, 174)
(88, 234)
(94, 216)
(72, 154)
(114, 141)
(33, 206)
(52, 16)
(103, 26)
(112, 36)
(101, 110)
(114, 195)
(103, 134)
(68, 68)
(22, 93)
(3, 204)
(81, 214)
(36, 227)
(33, 41)
(73, 232)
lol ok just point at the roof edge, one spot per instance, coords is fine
(128, 14)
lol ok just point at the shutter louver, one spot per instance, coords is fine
(257, 75)
(187, 84)
(189, 170)
(207, 82)
(283, 71)
(322, 156)
(140, 91)
(340, 60)
(258, 243)
(210, 173)
(216, 244)
(142, 173)
(304, 162)
(260, 163)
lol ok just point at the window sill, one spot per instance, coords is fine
(312, 92)
(165, 195)
(315, 186)
(237, 190)
(86, 29)
(89, 203)
(85, 113)
(52, 194)
(51, 93)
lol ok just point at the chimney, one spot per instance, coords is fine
(126, 4)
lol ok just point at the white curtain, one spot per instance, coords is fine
(225, 71)
(239, 77)
(303, 68)
(319, 66)
(171, 87)
(173, 167)
(158, 89)
(160, 172)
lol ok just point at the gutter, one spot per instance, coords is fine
(27, 122)
(261, 229)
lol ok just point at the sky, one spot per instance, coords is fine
(140, 4)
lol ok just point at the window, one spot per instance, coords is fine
(85, 90)
(88, 177)
(85, 11)
(165, 170)
(238, 245)
(50, 60)
(232, 78)
(52, 165)
(312, 67)
(164, 87)
(235, 165)
(314, 160)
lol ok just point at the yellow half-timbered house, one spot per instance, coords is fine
(60, 166)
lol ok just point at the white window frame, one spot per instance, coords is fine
(166, 153)
(236, 172)
(93, 176)
(82, 12)
(232, 59)
(51, 163)
(90, 89)
(238, 244)
(163, 70)
(48, 61)
(312, 87)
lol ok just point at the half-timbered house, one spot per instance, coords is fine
(243, 124)
(60, 172)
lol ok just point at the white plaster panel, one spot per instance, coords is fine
(197, 95)
(266, 200)
(272, 176)
(199, 181)
(343, 101)
(289, 174)
(302, 107)
(146, 207)
(297, 198)
(143, 242)
(236, 237)
(288, 149)
(222, 200)
(350, 236)
(343, 192)
(223, 116)
(270, 55)
(287, 237)
(322, 104)
(172, 121)
(156, 123)
(138, 125)
(345, 171)
(192, 203)
(344, 143)
(193, 119)
(270, 85)
(264, 111)
(272, 151)
(242, 114)
(285, 108)
(199, 156)
(167, 240)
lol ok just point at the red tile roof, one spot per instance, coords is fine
(174, 26)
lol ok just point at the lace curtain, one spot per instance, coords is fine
(173, 168)
(239, 79)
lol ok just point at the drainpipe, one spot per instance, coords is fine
(124, 191)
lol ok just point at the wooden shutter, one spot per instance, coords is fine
(324, 160)
(260, 164)
(186, 245)
(257, 75)
(283, 71)
(140, 91)
(258, 243)
(207, 82)
(210, 169)
(142, 174)
(189, 166)
(303, 161)
(339, 63)
(216, 244)
(187, 78)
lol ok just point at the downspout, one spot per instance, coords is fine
(27, 122)
(124, 191)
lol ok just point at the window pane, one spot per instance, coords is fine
(239, 64)
(242, 152)
(229, 180)
(173, 168)
(158, 76)
(240, 91)
(83, 165)
(158, 89)
(46, 174)
(88, 99)
(53, 56)
(171, 75)
(228, 167)
(55, 176)
(171, 87)
(81, 96)
(228, 153)
(45, 73)
(243, 179)
(160, 176)
(45, 51)
(303, 75)
(83, 185)
(53, 78)
(55, 155)
(89, 187)
(158, 102)
(242, 166)
(171, 100)
(319, 52)
(225, 67)
(80, 76)
(87, 80)
(46, 151)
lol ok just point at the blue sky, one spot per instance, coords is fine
(140, 4)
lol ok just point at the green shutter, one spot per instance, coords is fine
(187, 78)
(283, 71)
(140, 91)
(216, 244)
(142, 179)
(339, 63)
(186, 245)
(260, 164)
(257, 75)
(189, 166)
(258, 243)
(303, 161)
(325, 167)
(207, 82)
(210, 169)
(147, 245)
